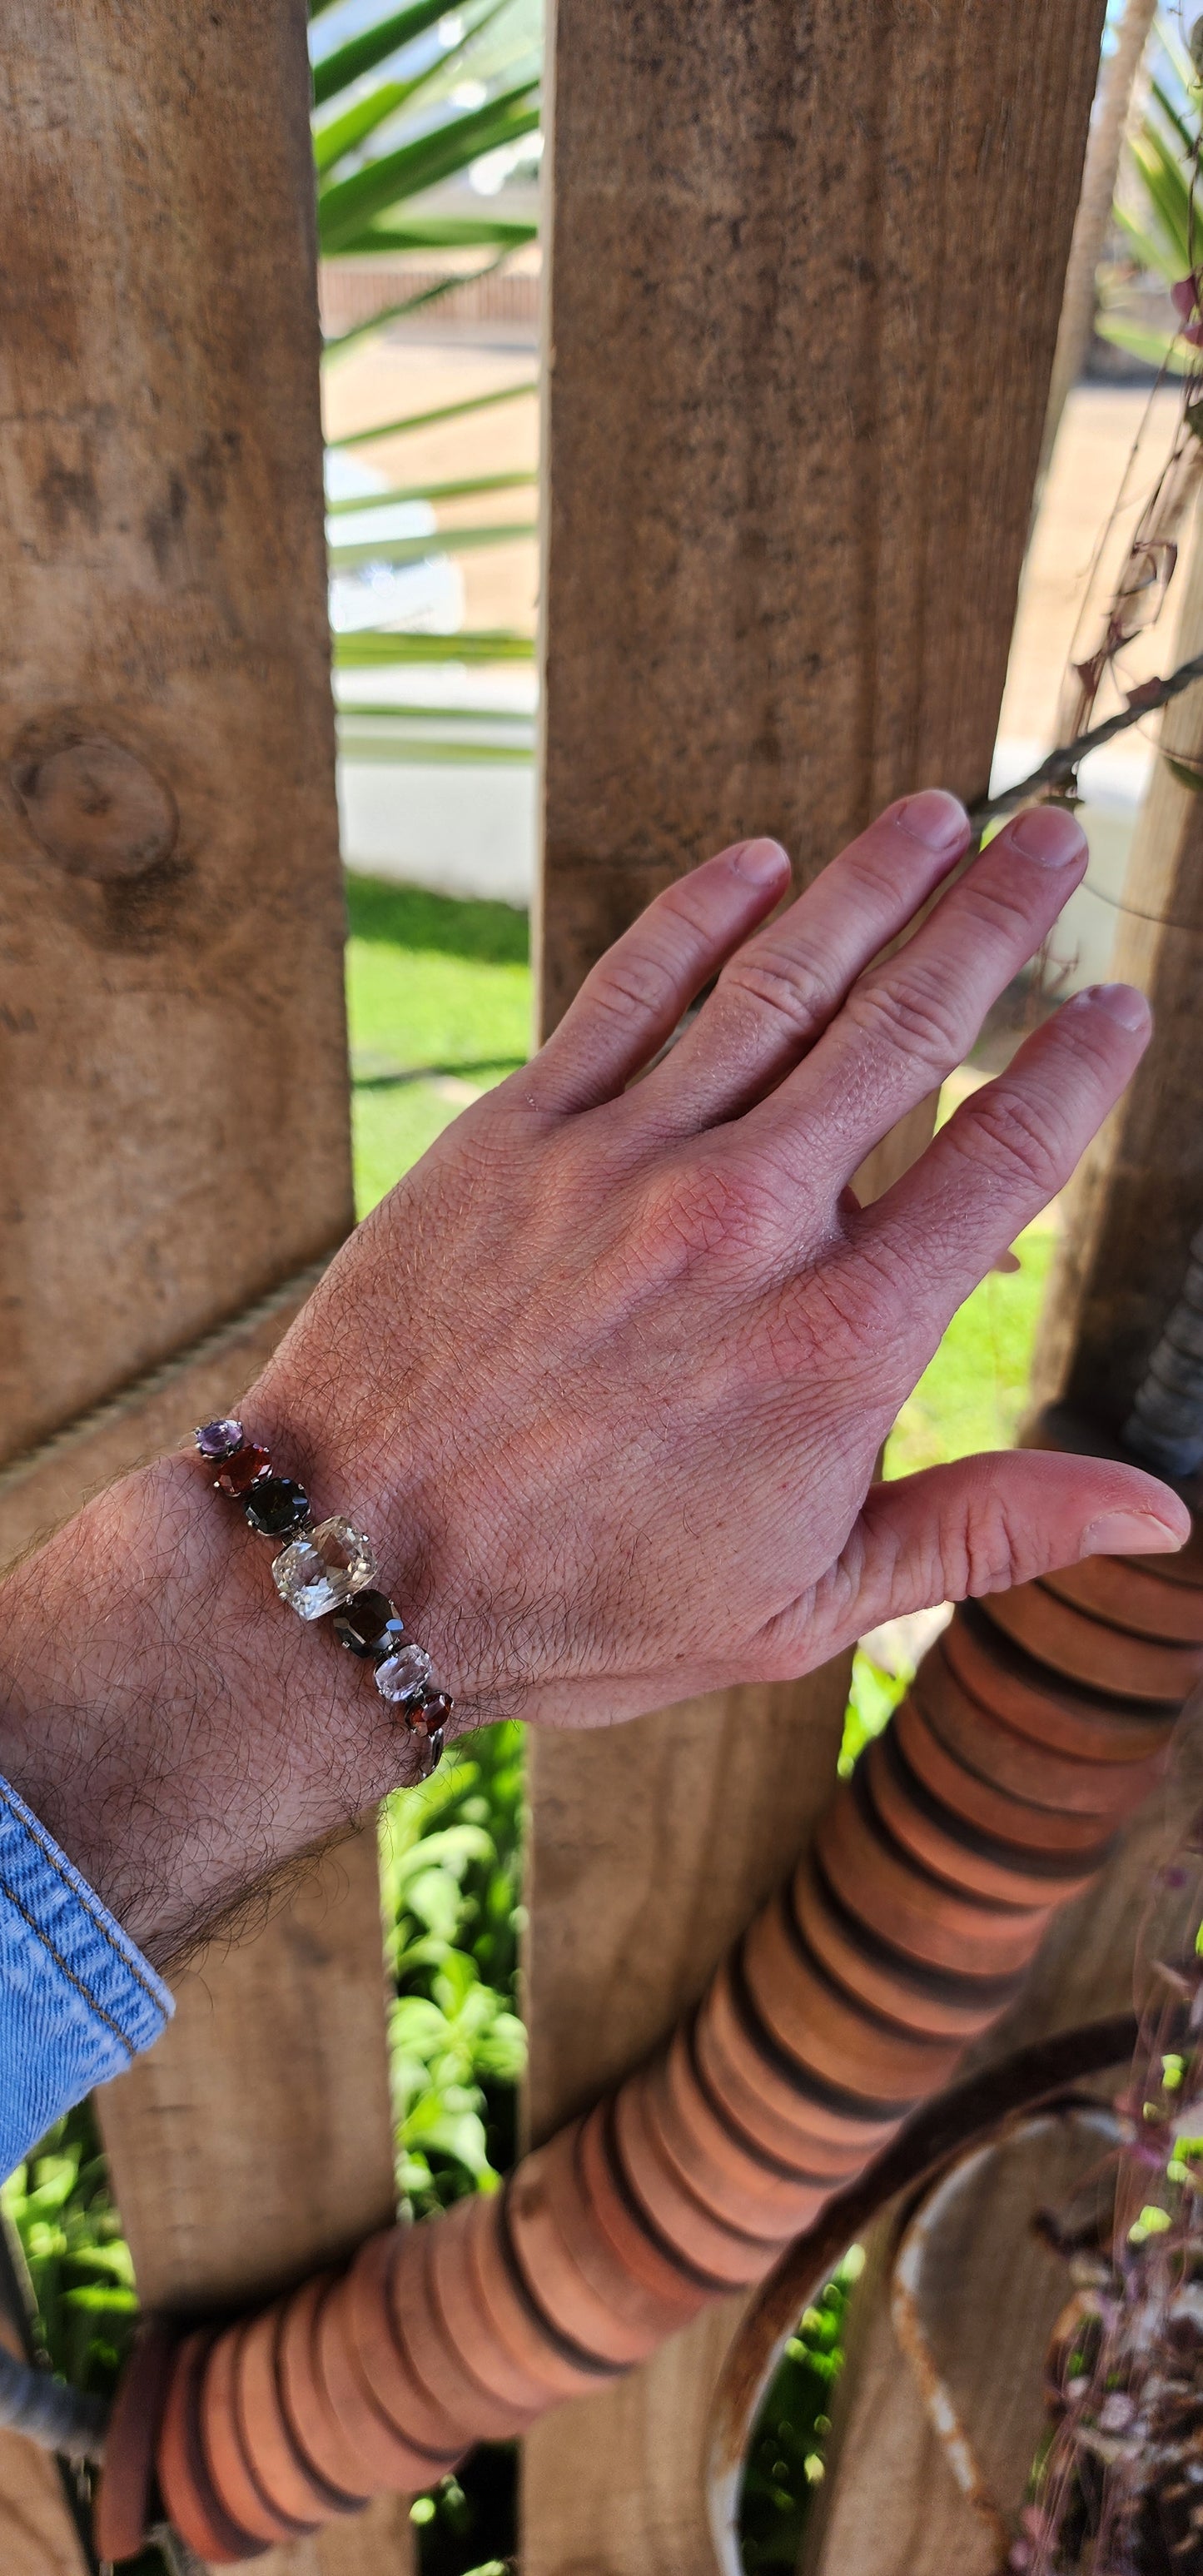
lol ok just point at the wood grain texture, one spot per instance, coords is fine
(252, 2144)
(806, 269)
(176, 1137)
(791, 450)
(889, 2505)
(176, 1134)
(1138, 1195)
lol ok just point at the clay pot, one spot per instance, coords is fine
(996, 1871)
(990, 1810)
(832, 2034)
(393, 2461)
(512, 2350)
(123, 2494)
(734, 2182)
(418, 2324)
(1016, 1763)
(378, 2291)
(610, 2234)
(580, 2302)
(225, 2454)
(1104, 1659)
(184, 2481)
(286, 2478)
(895, 1898)
(930, 2001)
(769, 2097)
(308, 2412)
(1058, 1714)
(1133, 1593)
(719, 2256)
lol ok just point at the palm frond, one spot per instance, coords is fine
(465, 490)
(431, 419)
(336, 71)
(443, 541)
(372, 648)
(445, 232)
(345, 206)
(340, 340)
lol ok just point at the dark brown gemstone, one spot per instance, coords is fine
(368, 1625)
(247, 1467)
(276, 1507)
(433, 1714)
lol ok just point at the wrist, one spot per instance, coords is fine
(176, 1728)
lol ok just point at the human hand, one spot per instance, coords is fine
(607, 1374)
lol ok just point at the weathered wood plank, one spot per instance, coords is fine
(171, 920)
(791, 453)
(1138, 1195)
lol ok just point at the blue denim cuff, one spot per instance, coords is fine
(77, 2000)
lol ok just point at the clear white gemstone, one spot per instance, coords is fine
(324, 1567)
(404, 1675)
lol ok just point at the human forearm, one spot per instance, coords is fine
(178, 1732)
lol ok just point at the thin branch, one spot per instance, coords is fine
(1060, 765)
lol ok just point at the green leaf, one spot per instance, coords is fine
(1166, 187)
(1155, 347)
(445, 232)
(341, 135)
(464, 491)
(345, 205)
(360, 54)
(441, 541)
(371, 647)
(429, 419)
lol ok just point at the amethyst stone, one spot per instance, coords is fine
(368, 1626)
(218, 1440)
(276, 1507)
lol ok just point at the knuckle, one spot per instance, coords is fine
(787, 985)
(710, 1205)
(983, 1554)
(910, 1013)
(1020, 1139)
(632, 986)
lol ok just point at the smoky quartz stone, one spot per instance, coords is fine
(323, 1568)
(367, 1625)
(277, 1507)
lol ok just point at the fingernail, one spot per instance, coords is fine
(933, 817)
(1129, 1534)
(1121, 1002)
(758, 862)
(1047, 834)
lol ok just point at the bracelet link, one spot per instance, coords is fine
(328, 1571)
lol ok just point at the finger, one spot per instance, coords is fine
(909, 1020)
(1005, 1153)
(631, 1002)
(954, 1533)
(781, 989)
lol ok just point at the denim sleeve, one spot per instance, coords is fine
(77, 2000)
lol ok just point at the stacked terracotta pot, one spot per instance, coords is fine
(1036, 1724)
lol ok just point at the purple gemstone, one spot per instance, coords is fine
(218, 1440)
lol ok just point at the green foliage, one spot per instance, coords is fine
(61, 2209)
(378, 147)
(1164, 241)
(785, 2456)
(873, 1697)
(451, 1864)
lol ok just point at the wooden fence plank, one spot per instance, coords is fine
(171, 923)
(1130, 1213)
(794, 417)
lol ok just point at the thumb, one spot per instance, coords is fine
(992, 1521)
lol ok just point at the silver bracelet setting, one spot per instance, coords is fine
(327, 1570)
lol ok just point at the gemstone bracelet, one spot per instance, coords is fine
(330, 1568)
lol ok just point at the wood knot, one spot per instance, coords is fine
(97, 809)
